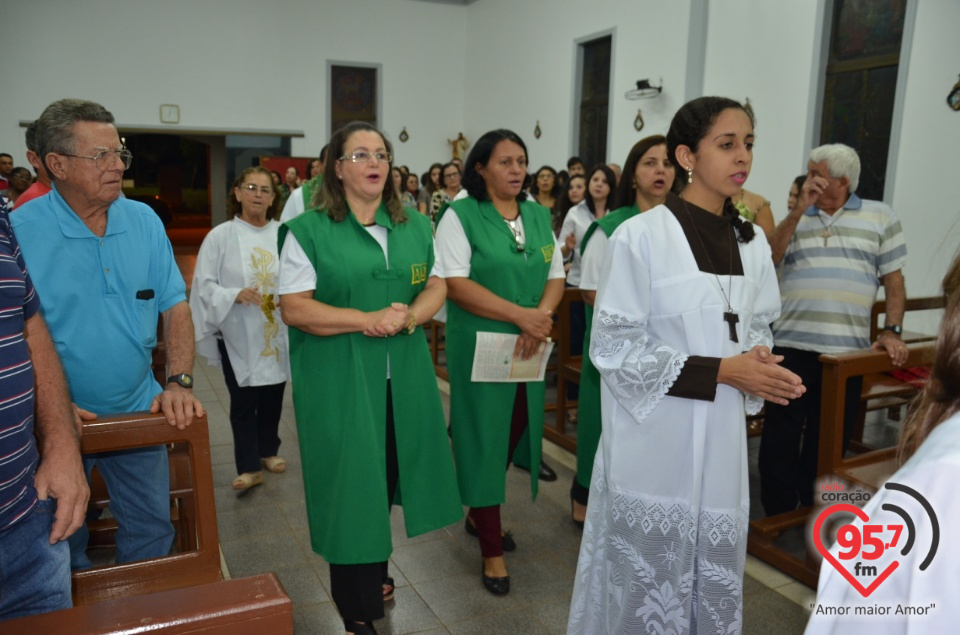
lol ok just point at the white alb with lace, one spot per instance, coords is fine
(665, 537)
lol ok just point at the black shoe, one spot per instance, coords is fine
(546, 473)
(508, 544)
(359, 628)
(497, 586)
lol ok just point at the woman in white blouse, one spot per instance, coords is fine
(237, 325)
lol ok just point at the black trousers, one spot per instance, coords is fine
(357, 589)
(254, 417)
(791, 435)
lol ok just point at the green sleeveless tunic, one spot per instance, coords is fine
(310, 188)
(480, 412)
(588, 407)
(340, 388)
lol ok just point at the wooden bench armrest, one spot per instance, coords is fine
(836, 370)
(129, 430)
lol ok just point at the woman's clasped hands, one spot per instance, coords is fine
(535, 327)
(758, 372)
(388, 321)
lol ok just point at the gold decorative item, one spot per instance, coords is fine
(403, 135)
(459, 146)
(638, 122)
(536, 131)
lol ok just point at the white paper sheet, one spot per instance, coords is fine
(493, 360)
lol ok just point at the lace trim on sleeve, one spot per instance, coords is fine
(759, 334)
(638, 371)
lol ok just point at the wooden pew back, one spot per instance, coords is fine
(836, 370)
(136, 430)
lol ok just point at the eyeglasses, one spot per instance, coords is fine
(362, 156)
(447, 176)
(253, 189)
(105, 158)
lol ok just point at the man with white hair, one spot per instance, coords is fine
(833, 251)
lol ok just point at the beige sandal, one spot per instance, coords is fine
(248, 480)
(274, 464)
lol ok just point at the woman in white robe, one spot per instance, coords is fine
(237, 325)
(930, 444)
(681, 338)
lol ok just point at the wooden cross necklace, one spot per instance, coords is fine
(729, 316)
(825, 234)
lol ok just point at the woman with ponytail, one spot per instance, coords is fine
(681, 339)
(930, 453)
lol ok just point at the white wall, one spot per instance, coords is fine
(521, 61)
(494, 63)
(925, 188)
(243, 63)
(751, 54)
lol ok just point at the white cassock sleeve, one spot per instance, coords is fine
(592, 260)
(293, 207)
(637, 369)
(211, 296)
(766, 309)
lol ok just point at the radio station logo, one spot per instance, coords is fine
(870, 553)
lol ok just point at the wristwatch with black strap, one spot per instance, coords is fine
(896, 329)
(184, 379)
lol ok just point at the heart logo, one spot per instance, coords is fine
(818, 542)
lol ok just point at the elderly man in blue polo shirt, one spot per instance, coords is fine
(105, 270)
(833, 249)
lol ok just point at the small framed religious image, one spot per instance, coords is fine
(354, 94)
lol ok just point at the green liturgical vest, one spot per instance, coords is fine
(340, 393)
(480, 412)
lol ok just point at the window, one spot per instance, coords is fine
(860, 83)
(594, 94)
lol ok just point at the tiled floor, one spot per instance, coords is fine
(437, 577)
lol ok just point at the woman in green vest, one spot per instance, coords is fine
(356, 283)
(504, 274)
(652, 177)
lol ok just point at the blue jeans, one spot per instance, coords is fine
(138, 482)
(34, 575)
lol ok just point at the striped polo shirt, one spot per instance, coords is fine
(18, 450)
(829, 283)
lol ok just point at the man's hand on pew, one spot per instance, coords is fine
(178, 405)
(894, 347)
(79, 416)
(757, 372)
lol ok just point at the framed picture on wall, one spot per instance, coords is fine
(354, 95)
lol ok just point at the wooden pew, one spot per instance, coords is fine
(193, 479)
(245, 606)
(880, 390)
(435, 329)
(912, 304)
(568, 371)
(870, 469)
